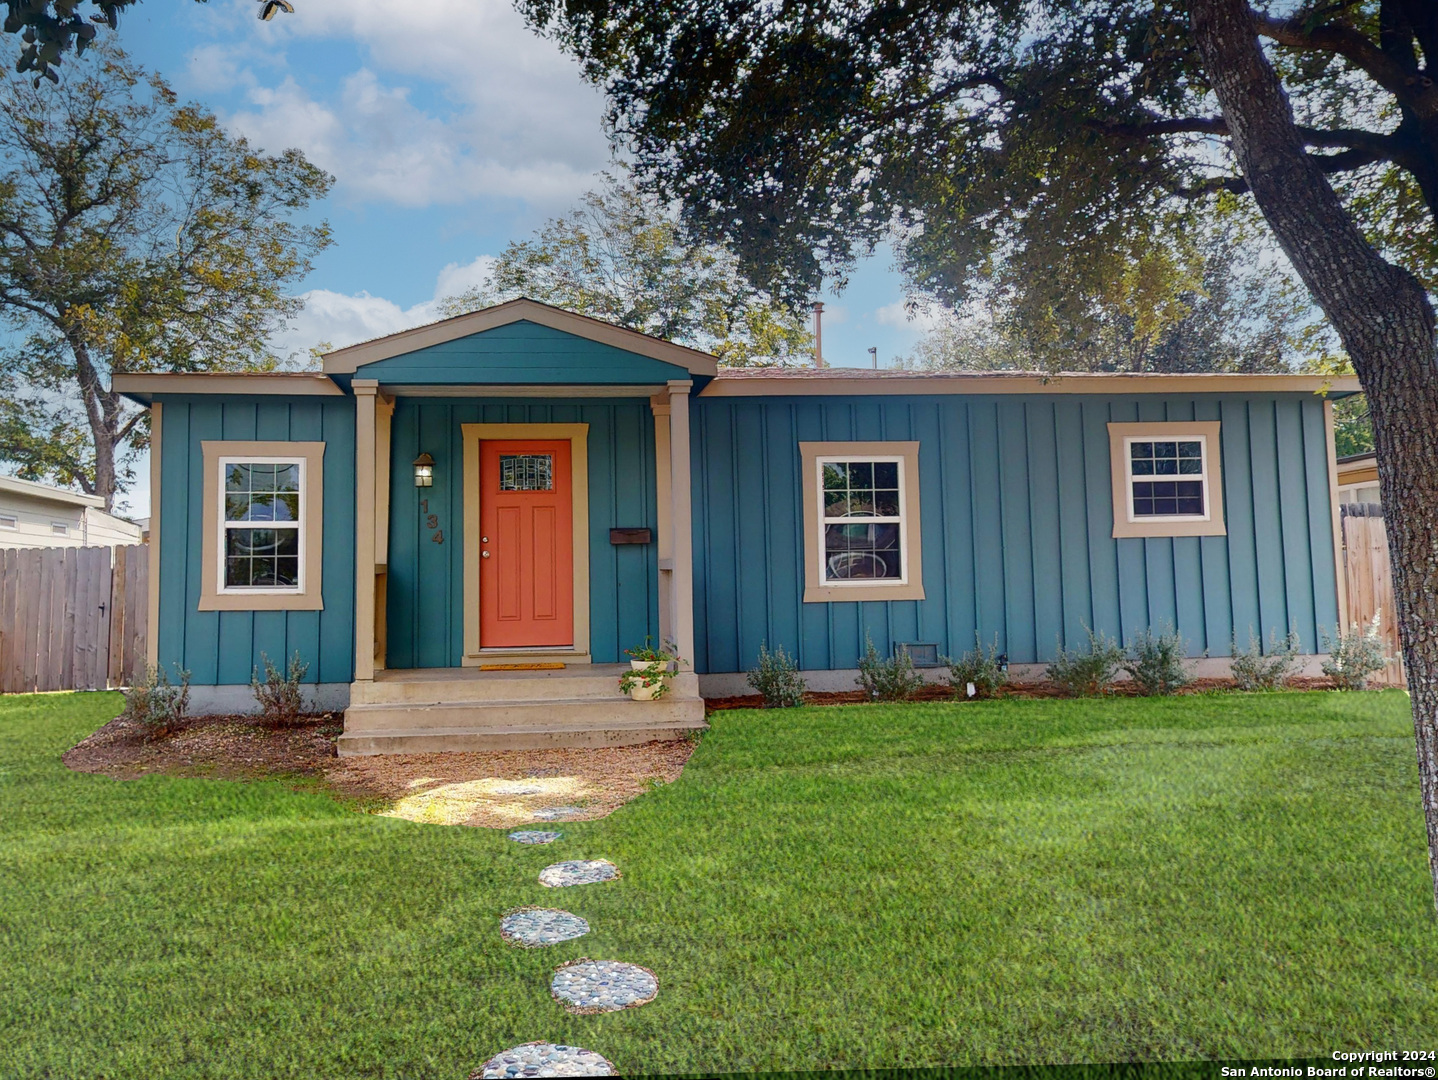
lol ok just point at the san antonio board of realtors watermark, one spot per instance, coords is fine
(1351, 1065)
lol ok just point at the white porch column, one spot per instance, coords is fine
(682, 580)
(366, 405)
(664, 489)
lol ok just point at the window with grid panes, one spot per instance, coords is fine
(862, 519)
(262, 509)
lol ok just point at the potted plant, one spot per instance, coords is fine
(643, 657)
(649, 671)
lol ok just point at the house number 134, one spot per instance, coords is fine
(431, 521)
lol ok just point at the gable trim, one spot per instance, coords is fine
(348, 360)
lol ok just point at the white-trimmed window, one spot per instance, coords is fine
(263, 545)
(9, 521)
(1166, 479)
(262, 527)
(59, 528)
(861, 521)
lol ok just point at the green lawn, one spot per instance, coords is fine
(869, 886)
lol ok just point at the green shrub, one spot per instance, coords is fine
(157, 703)
(981, 666)
(1252, 670)
(1354, 656)
(280, 697)
(892, 679)
(1086, 672)
(777, 678)
(1155, 663)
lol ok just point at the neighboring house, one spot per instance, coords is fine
(1358, 479)
(523, 486)
(39, 516)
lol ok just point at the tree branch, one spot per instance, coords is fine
(1386, 147)
(1413, 88)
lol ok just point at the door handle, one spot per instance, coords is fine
(484, 554)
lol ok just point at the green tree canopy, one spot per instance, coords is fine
(135, 235)
(619, 256)
(49, 29)
(1216, 299)
(1039, 145)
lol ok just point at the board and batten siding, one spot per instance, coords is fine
(521, 353)
(425, 598)
(1017, 517)
(221, 648)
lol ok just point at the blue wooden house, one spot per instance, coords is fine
(461, 527)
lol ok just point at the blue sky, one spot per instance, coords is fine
(447, 140)
(448, 136)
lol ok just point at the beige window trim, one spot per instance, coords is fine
(816, 589)
(578, 436)
(308, 597)
(1124, 522)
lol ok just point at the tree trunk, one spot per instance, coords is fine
(1386, 322)
(102, 410)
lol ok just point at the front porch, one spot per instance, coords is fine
(610, 473)
(427, 710)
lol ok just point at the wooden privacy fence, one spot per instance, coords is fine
(72, 618)
(1369, 575)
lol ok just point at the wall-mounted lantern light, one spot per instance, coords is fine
(424, 471)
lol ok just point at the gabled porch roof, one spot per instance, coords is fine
(520, 342)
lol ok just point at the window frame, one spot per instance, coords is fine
(9, 521)
(60, 528)
(818, 588)
(298, 526)
(1125, 523)
(215, 595)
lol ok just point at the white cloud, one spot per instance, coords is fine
(455, 278)
(338, 319)
(900, 317)
(512, 117)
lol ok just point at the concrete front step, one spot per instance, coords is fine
(424, 711)
(481, 715)
(457, 685)
(444, 740)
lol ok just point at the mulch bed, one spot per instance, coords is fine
(227, 747)
(943, 692)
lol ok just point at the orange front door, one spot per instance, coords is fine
(526, 544)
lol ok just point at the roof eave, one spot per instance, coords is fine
(142, 388)
(730, 384)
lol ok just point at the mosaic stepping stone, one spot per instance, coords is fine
(535, 836)
(543, 1059)
(532, 927)
(557, 813)
(599, 986)
(578, 872)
